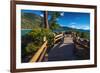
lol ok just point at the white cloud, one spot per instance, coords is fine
(73, 26)
(86, 28)
(62, 14)
(41, 15)
(83, 27)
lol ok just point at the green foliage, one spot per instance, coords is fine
(34, 40)
(31, 48)
(53, 20)
(78, 33)
(85, 35)
(49, 36)
(54, 26)
(54, 16)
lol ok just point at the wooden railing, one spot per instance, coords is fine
(40, 53)
(82, 45)
(84, 48)
(58, 37)
(77, 42)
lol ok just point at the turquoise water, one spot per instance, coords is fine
(25, 31)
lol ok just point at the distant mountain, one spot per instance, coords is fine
(73, 29)
(82, 30)
(30, 20)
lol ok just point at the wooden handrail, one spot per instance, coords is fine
(39, 53)
(43, 54)
(58, 37)
(85, 46)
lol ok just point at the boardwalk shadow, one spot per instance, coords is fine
(62, 52)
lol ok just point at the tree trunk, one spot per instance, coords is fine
(46, 25)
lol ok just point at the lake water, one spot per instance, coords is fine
(25, 31)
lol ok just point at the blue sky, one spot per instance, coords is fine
(69, 19)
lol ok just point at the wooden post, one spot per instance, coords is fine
(46, 57)
(44, 38)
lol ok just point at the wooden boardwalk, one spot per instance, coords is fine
(63, 50)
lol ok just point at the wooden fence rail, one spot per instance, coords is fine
(40, 53)
(58, 37)
(82, 45)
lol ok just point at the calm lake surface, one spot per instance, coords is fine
(25, 31)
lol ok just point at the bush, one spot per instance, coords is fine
(85, 35)
(49, 36)
(31, 48)
(35, 40)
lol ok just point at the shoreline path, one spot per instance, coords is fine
(63, 50)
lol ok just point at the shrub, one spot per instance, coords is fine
(35, 40)
(49, 36)
(31, 48)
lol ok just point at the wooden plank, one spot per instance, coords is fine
(42, 55)
(58, 35)
(38, 53)
(58, 39)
